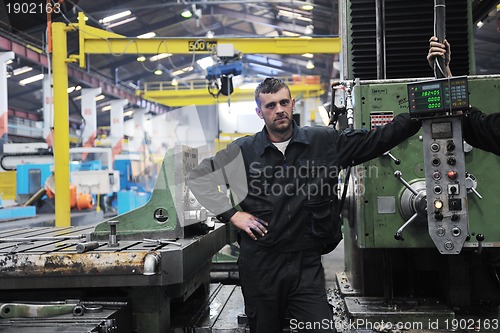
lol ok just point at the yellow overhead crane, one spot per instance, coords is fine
(97, 41)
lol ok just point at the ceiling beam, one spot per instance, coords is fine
(255, 19)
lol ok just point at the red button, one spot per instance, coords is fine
(452, 174)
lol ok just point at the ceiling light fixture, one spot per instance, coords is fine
(160, 56)
(174, 82)
(127, 20)
(31, 79)
(310, 64)
(141, 58)
(115, 17)
(147, 35)
(186, 13)
(293, 15)
(158, 70)
(22, 70)
(307, 5)
(73, 88)
(182, 71)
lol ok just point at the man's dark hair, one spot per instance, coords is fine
(270, 85)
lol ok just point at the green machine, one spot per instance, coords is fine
(391, 257)
(421, 236)
(127, 274)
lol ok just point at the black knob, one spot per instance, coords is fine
(480, 237)
(455, 217)
(450, 145)
(451, 160)
(438, 216)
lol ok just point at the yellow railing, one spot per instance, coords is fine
(202, 84)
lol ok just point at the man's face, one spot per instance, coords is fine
(276, 110)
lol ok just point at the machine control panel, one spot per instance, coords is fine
(445, 183)
(433, 98)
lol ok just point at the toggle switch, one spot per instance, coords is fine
(455, 204)
(453, 189)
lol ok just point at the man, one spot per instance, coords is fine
(284, 179)
(480, 130)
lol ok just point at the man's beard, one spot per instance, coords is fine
(281, 129)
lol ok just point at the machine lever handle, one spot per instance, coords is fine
(399, 233)
(471, 183)
(397, 161)
(476, 192)
(398, 174)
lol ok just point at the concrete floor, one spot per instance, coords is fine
(333, 263)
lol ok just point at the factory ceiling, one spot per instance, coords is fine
(231, 18)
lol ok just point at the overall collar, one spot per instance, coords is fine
(262, 142)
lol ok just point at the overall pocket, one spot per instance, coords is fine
(322, 221)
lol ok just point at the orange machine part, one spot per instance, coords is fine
(84, 201)
(72, 195)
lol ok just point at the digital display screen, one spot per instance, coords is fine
(441, 130)
(438, 96)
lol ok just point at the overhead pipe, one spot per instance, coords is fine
(440, 33)
(380, 38)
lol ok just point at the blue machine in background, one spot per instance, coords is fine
(30, 178)
(131, 194)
